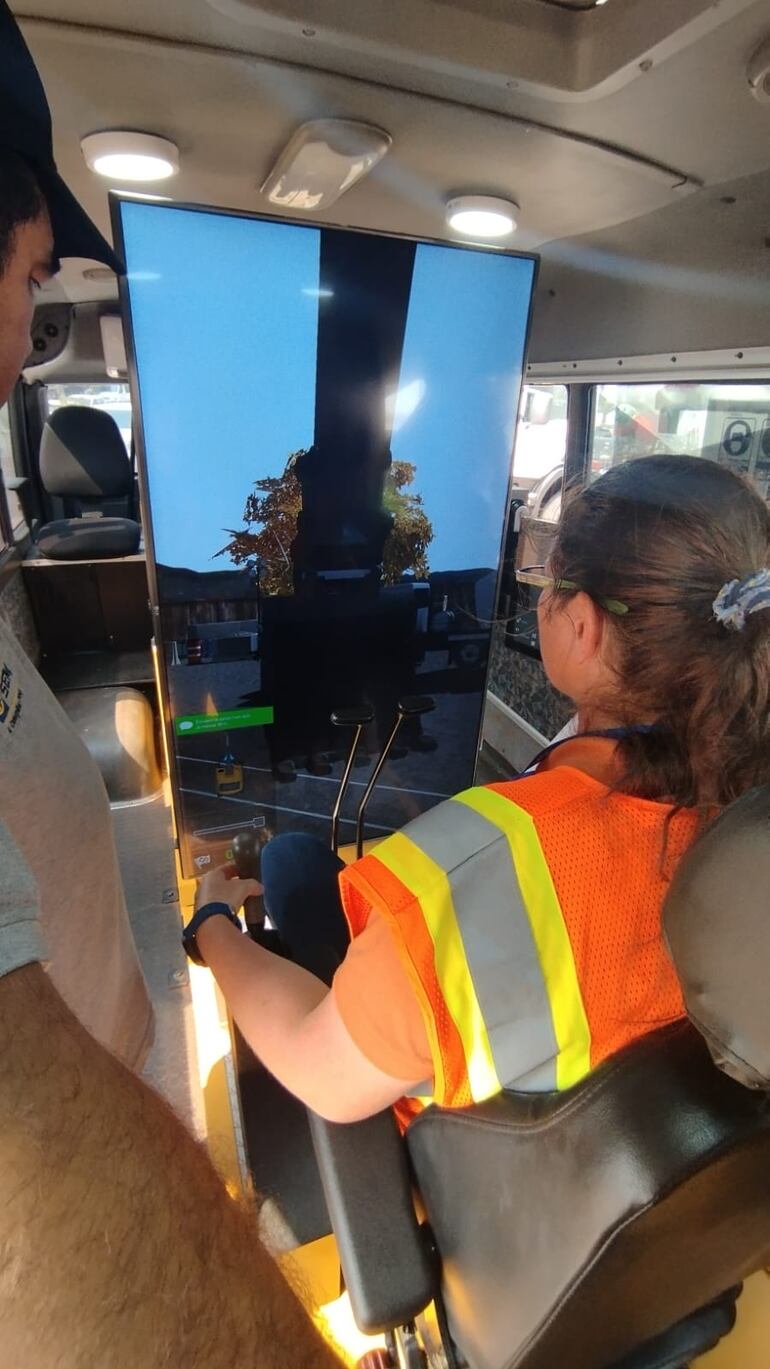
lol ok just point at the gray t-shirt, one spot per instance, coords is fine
(61, 898)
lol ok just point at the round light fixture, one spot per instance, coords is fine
(482, 216)
(127, 156)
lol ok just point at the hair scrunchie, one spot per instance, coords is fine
(739, 598)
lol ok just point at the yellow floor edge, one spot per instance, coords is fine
(748, 1347)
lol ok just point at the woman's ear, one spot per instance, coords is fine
(571, 643)
(589, 624)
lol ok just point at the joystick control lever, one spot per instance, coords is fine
(247, 852)
(411, 706)
(358, 718)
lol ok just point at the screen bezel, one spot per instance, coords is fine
(116, 200)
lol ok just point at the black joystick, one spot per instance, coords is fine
(411, 706)
(247, 858)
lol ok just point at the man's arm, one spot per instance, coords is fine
(119, 1245)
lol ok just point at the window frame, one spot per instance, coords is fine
(6, 536)
(524, 480)
(8, 542)
(580, 408)
(18, 419)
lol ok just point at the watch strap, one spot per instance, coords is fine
(190, 932)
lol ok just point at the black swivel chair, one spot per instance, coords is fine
(608, 1227)
(84, 465)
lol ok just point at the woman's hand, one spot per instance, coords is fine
(222, 885)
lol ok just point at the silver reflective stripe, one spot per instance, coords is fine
(539, 1080)
(497, 938)
(423, 1091)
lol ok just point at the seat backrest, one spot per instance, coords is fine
(717, 920)
(83, 461)
(574, 1227)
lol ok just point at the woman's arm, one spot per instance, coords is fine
(291, 1021)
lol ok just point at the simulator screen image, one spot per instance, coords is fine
(327, 421)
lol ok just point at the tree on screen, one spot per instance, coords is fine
(407, 546)
(271, 513)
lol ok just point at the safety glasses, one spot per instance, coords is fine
(538, 577)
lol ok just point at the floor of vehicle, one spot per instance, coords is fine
(281, 1157)
(144, 838)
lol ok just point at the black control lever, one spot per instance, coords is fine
(358, 718)
(247, 852)
(411, 706)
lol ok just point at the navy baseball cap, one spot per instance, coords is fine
(25, 128)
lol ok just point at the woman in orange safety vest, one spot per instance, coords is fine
(511, 936)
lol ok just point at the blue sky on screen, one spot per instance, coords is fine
(225, 318)
(463, 354)
(225, 325)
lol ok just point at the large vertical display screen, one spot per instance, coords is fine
(327, 420)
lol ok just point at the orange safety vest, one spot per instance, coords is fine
(528, 918)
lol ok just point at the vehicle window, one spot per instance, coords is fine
(115, 399)
(729, 423)
(541, 443)
(8, 467)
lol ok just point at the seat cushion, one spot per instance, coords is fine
(81, 539)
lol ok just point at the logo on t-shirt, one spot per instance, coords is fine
(11, 697)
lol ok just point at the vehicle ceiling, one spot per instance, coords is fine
(618, 129)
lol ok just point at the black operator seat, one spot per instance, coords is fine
(84, 465)
(610, 1226)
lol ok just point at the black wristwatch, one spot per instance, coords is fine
(190, 932)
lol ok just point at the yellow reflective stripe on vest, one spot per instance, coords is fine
(430, 886)
(573, 1034)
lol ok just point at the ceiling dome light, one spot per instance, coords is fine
(127, 156)
(482, 216)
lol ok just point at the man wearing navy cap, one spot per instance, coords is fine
(36, 208)
(25, 127)
(120, 1246)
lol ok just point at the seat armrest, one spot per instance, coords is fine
(388, 1268)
